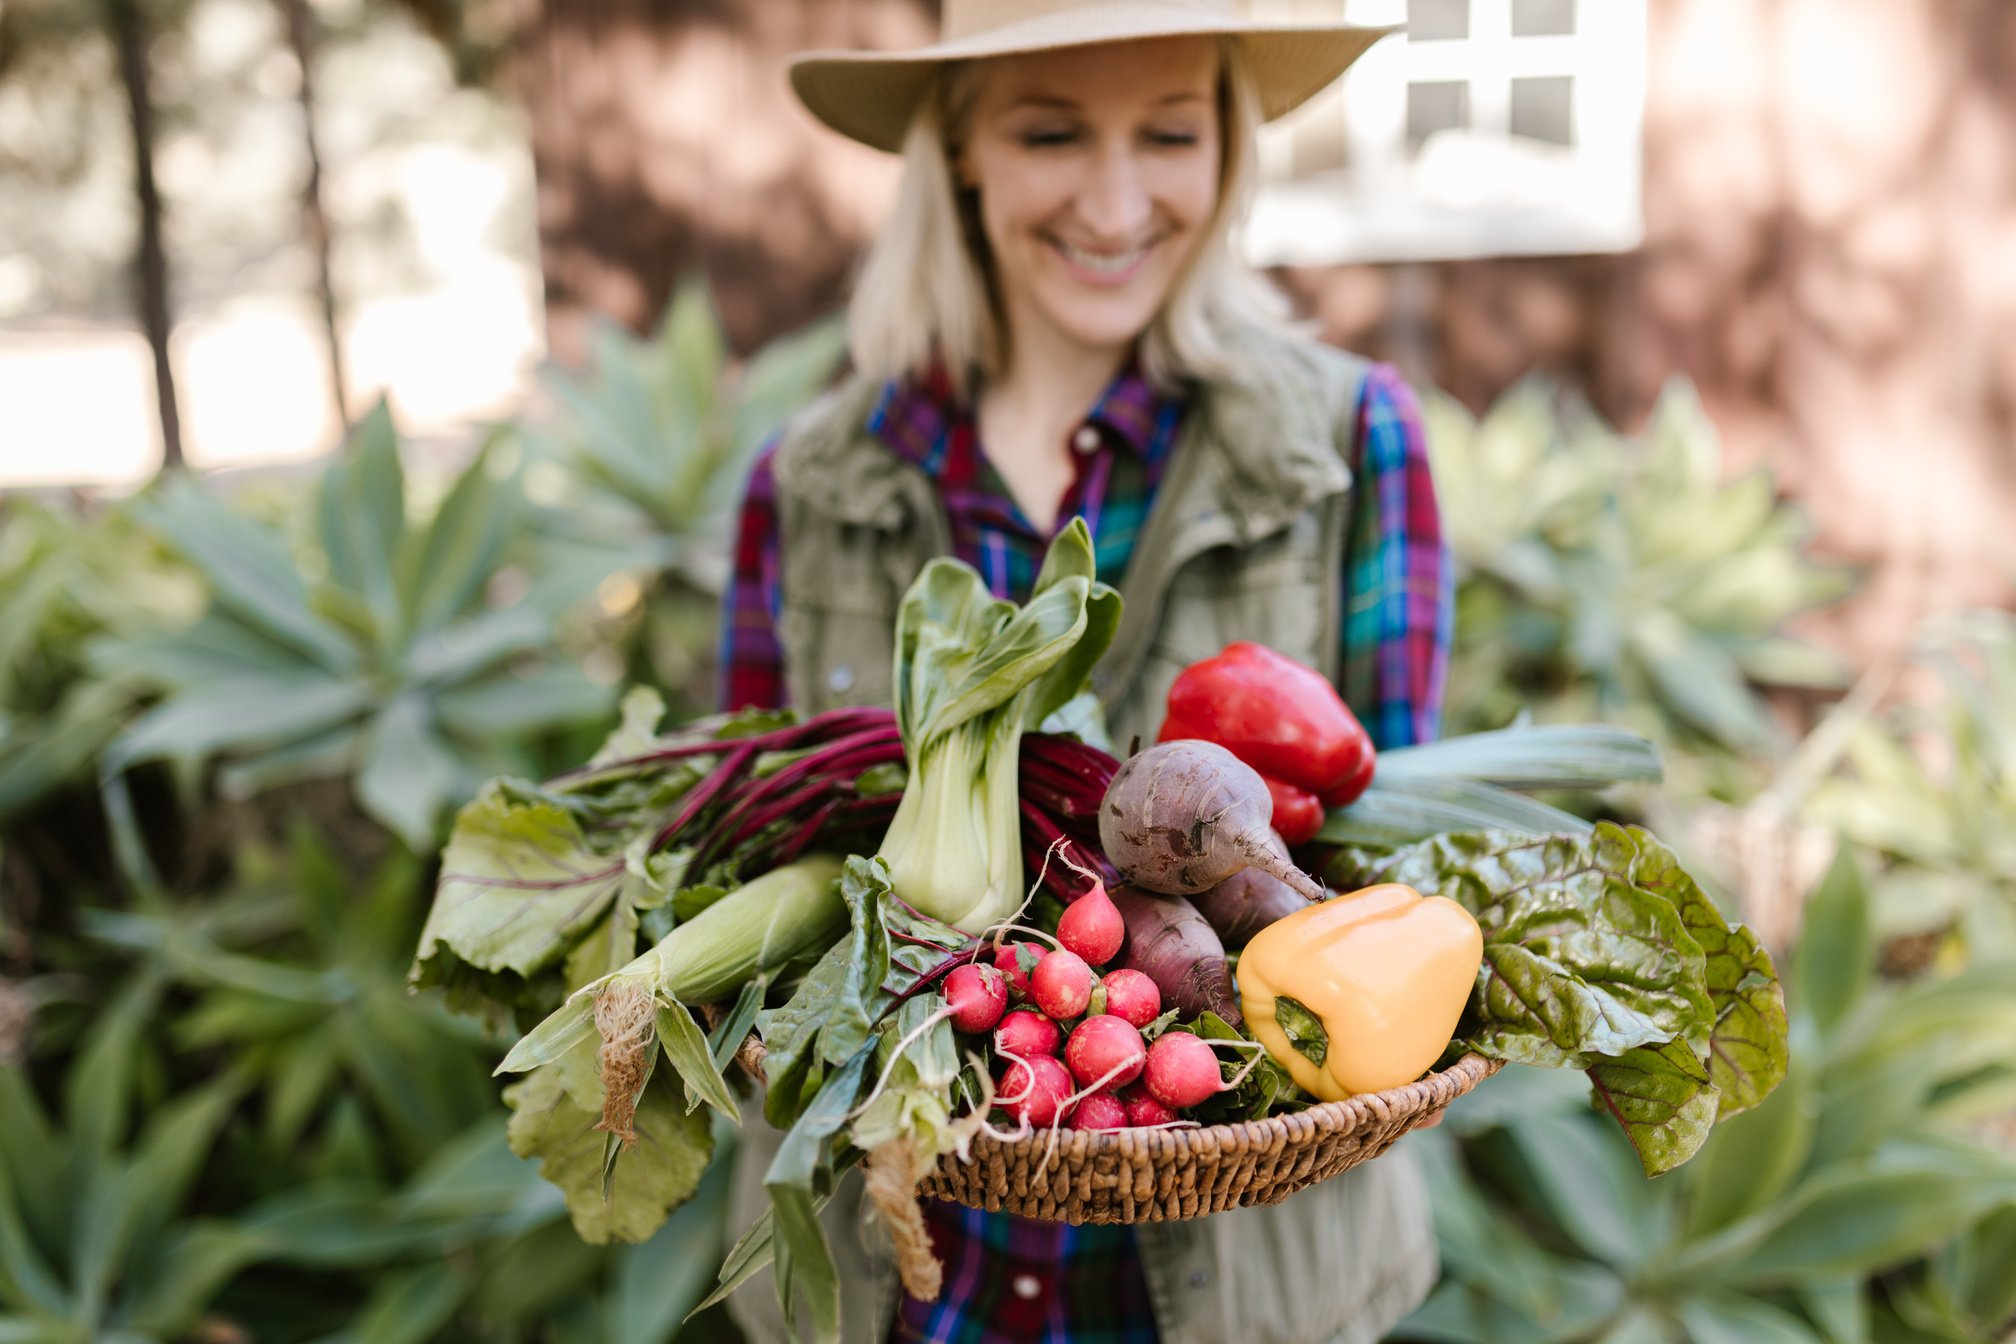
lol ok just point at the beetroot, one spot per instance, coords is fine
(1061, 984)
(1027, 1032)
(1169, 942)
(976, 996)
(1105, 1052)
(1245, 903)
(1091, 927)
(1036, 1089)
(1100, 1112)
(1131, 996)
(1181, 817)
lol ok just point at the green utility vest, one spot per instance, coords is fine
(1245, 541)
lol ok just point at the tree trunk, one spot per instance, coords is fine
(129, 34)
(668, 144)
(314, 221)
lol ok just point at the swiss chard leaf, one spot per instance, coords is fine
(804, 1170)
(519, 888)
(1267, 1089)
(1662, 1097)
(649, 1180)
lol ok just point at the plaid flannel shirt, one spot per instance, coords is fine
(1011, 1280)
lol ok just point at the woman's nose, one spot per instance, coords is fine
(1114, 202)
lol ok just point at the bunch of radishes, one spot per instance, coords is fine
(1040, 1001)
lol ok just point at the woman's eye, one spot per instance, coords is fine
(1172, 139)
(1048, 137)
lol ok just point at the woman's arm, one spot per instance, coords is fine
(1399, 589)
(752, 660)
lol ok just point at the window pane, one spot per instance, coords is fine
(1542, 18)
(1429, 20)
(1440, 106)
(1544, 109)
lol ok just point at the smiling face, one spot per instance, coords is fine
(1097, 173)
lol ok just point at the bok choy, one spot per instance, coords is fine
(974, 673)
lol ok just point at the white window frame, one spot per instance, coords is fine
(1478, 192)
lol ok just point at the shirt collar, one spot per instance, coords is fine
(922, 420)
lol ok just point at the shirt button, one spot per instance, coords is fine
(1198, 1278)
(1086, 440)
(1027, 1287)
(840, 680)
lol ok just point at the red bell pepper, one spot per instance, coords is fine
(1283, 719)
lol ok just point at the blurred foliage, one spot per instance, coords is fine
(64, 580)
(1605, 578)
(394, 654)
(1856, 1204)
(1929, 784)
(641, 469)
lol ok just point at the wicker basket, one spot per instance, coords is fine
(1152, 1175)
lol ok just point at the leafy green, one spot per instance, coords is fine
(1267, 1088)
(657, 1175)
(1601, 953)
(972, 675)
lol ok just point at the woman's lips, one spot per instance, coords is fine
(1105, 270)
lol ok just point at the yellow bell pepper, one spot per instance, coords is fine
(1363, 991)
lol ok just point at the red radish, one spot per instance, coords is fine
(1037, 1089)
(1026, 1032)
(1183, 816)
(1009, 959)
(1091, 927)
(1061, 984)
(1100, 1111)
(1144, 1111)
(1106, 1052)
(1182, 1071)
(1131, 996)
(977, 996)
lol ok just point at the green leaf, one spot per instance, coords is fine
(1662, 1096)
(1838, 1307)
(1836, 957)
(413, 1306)
(443, 569)
(1405, 809)
(1579, 756)
(510, 704)
(1593, 1188)
(198, 1260)
(1753, 1158)
(803, 1170)
(1746, 1048)
(686, 1049)
(1726, 1318)
(519, 885)
(248, 569)
(853, 1014)
(237, 715)
(650, 1180)
(741, 1020)
(1303, 1029)
(361, 513)
(409, 776)
(658, 1283)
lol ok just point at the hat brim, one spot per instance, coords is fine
(871, 96)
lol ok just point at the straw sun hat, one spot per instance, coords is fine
(870, 95)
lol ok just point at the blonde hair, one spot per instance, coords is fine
(924, 294)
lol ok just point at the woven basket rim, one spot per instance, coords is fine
(1429, 1092)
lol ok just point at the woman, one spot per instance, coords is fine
(1053, 324)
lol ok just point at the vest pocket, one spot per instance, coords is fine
(837, 655)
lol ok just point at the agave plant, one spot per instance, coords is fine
(67, 577)
(658, 436)
(1611, 578)
(1931, 787)
(641, 468)
(1855, 1204)
(382, 655)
